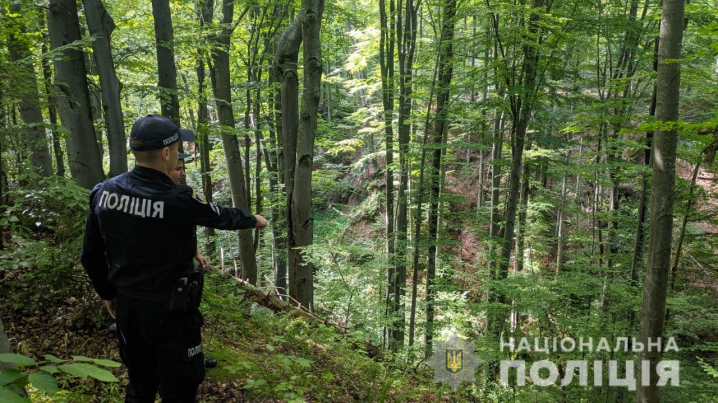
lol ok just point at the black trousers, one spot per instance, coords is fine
(160, 351)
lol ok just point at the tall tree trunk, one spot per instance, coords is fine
(521, 111)
(223, 96)
(494, 319)
(299, 144)
(386, 62)
(3, 126)
(561, 213)
(523, 206)
(498, 141)
(52, 111)
(637, 262)
(515, 316)
(664, 173)
(258, 161)
(277, 153)
(30, 99)
(682, 234)
(101, 25)
(74, 99)
(418, 216)
(203, 130)
(95, 103)
(495, 213)
(286, 70)
(446, 53)
(166, 68)
(522, 106)
(247, 139)
(302, 216)
(406, 39)
(270, 151)
(328, 99)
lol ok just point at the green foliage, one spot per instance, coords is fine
(290, 359)
(43, 375)
(41, 260)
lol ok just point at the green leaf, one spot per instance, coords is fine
(82, 358)
(17, 359)
(10, 375)
(74, 370)
(54, 359)
(7, 396)
(50, 369)
(44, 382)
(106, 363)
(83, 370)
(304, 362)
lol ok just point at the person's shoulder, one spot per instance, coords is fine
(110, 181)
(188, 193)
(97, 187)
(184, 190)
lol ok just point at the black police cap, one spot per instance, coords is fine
(156, 131)
(183, 156)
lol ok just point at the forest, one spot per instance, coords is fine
(468, 200)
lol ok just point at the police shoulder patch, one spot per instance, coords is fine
(200, 198)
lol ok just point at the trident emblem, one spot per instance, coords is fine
(454, 360)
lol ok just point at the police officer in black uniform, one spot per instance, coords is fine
(138, 249)
(179, 176)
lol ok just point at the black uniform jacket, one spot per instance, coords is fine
(139, 235)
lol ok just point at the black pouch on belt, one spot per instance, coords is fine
(179, 296)
(196, 286)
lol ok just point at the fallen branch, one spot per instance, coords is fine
(270, 301)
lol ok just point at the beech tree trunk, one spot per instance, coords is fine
(277, 168)
(299, 140)
(101, 25)
(73, 96)
(522, 107)
(52, 111)
(446, 68)
(662, 194)
(30, 99)
(523, 207)
(302, 215)
(561, 213)
(386, 62)
(286, 70)
(406, 40)
(205, 15)
(223, 96)
(639, 245)
(166, 68)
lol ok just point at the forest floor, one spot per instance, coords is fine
(263, 356)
